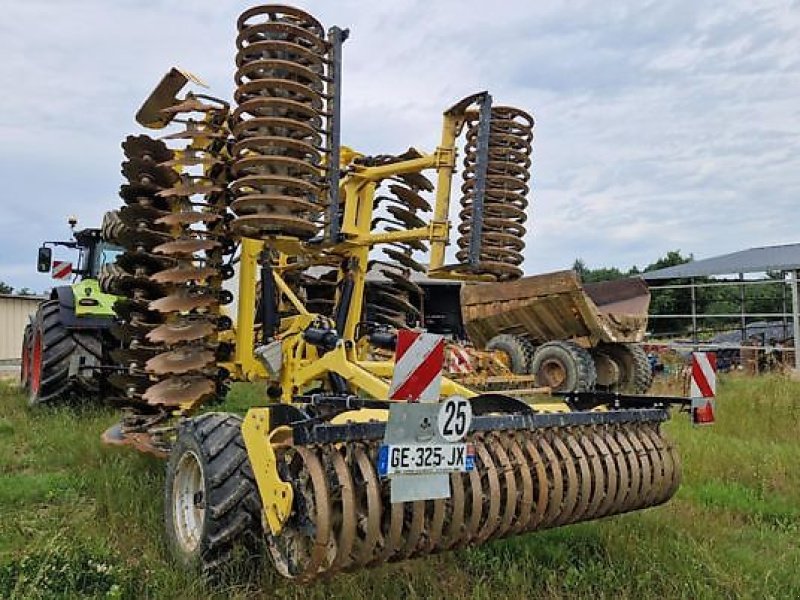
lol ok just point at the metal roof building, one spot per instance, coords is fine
(785, 258)
(754, 260)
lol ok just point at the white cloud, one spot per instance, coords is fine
(660, 125)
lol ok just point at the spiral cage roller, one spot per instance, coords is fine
(505, 176)
(280, 123)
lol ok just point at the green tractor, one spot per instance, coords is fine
(66, 345)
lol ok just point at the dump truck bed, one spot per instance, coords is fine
(557, 306)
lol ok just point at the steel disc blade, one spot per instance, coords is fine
(402, 282)
(180, 361)
(187, 218)
(406, 217)
(417, 181)
(144, 195)
(183, 331)
(126, 356)
(138, 170)
(176, 391)
(183, 302)
(185, 247)
(403, 259)
(134, 215)
(133, 261)
(410, 198)
(125, 381)
(184, 274)
(142, 146)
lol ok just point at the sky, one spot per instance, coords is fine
(660, 125)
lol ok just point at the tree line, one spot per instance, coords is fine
(773, 298)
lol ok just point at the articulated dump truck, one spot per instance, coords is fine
(363, 451)
(570, 336)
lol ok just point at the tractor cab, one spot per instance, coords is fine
(93, 253)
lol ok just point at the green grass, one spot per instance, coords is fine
(81, 520)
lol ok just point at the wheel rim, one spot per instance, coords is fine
(552, 373)
(188, 502)
(36, 364)
(26, 359)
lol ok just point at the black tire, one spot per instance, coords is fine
(231, 515)
(112, 226)
(50, 380)
(518, 349)
(25, 357)
(635, 373)
(110, 277)
(564, 366)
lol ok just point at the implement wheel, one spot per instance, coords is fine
(211, 502)
(635, 374)
(517, 350)
(564, 367)
(52, 348)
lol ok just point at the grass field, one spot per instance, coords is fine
(81, 520)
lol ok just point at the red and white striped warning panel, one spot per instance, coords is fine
(458, 359)
(703, 387)
(418, 362)
(61, 269)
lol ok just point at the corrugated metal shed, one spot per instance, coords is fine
(754, 260)
(14, 312)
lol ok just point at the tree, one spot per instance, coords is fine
(25, 292)
(5, 288)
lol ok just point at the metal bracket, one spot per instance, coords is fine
(481, 168)
(336, 37)
(276, 494)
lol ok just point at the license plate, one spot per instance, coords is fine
(425, 458)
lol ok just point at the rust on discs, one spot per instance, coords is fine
(176, 391)
(555, 480)
(456, 530)
(187, 218)
(300, 551)
(644, 462)
(180, 361)
(584, 473)
(182, 274)
(567, 462)
(186, 247)
(490, 489)
(508, 484)
(343, 508)
(541, 484)
(368, 508)
(597, 473)
(611, 477)
(634, 469)
(413, 532)
(182, 331)
(522, 470)
(622, 471)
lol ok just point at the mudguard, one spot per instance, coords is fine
(83, 306)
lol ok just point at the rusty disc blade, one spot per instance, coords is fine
(143, 146)
(139, 170)
(183, 302)
(259, 225)
(141, 238)
(417, 181)
(182, 331)
(408, 218)
(403, 259)
(176, 391)
(184, 274)
(190, 104)
(134, 215)
(144, 261)
(141, 441)
(186, 247)
(410, 198)
(180, 361)
(187, 218)
(139, 356)
(126, 381)
(195, 186)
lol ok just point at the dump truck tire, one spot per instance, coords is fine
(635, 374)
(211, 502)
(518, 349)
(564, 366)
(52, 347)
(25, 358)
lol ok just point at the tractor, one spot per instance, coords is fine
(67, 343)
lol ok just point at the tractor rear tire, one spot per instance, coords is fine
(52, 348)
(518, 350)
(211, 502)
(564, 367)
(25, 358)
(635, 373)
